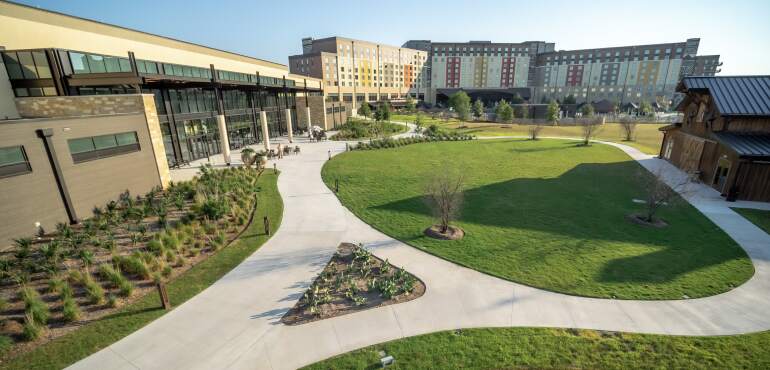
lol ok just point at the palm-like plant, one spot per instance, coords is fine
(248, 156)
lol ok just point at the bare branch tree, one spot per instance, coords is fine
(534, 130)
(629, 128)
(589, 129)
(444, 196)
(658, 193)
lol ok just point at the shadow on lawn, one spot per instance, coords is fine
(587, 205)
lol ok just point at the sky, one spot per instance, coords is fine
(272, 30)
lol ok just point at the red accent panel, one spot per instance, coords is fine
(452, 77)
(574, 74)
(507, 71)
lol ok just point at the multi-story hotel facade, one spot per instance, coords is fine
(89, 110)
(535, 70)
(354, 71)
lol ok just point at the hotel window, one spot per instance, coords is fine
(13, 161)
(103, 146)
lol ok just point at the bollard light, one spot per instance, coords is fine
(330, 154)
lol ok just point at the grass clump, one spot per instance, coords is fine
(34, 308)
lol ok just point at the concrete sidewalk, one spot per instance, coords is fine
(235, 323)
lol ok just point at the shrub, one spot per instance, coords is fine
(214, 208)
(34, 307)
(155, 246)
(70, 310)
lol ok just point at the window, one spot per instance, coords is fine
(96, 147)
(26, 65)
(13, 161)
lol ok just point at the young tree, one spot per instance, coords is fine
(589, 130)
(504, 112)
(645, 108)
(658, 193)
(461, 103)
(552, 115)
(383, 112)
(628, 127)
(517, 99)
(410, 106)
(587, 110)
(570, 99)
(418, 122)
(365, 110)
(534, 130)
(444, 196)
(478, 109)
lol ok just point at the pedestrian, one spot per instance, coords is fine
(280, 151)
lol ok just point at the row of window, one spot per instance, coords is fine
(102, 146)
(26, 64)
(14, 160)
(95, 63)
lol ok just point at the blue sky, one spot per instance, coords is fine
(737, 30)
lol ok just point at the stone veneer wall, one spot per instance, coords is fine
(156, 137)
(80, 105)
(317, 111)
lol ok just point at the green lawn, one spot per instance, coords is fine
(758, 217)
(545, 213)
(94, 336)
(648, 137)
(515, 348)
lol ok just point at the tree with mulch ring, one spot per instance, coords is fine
(444, 196)
(352, 281)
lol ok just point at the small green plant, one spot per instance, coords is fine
(34, 307)
(94, 291)
(30, 330)
(166, 271)
(112, 301)
(133, 265)
(70, 310)
(116, 279)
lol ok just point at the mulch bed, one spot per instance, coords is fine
(453, 233)
(353, 280)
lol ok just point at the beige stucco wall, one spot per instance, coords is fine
(23, 27)
(34, 197)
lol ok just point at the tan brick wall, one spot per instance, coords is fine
(78, 106)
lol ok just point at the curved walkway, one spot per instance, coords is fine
(234, 324)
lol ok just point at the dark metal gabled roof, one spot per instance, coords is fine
(745, 145)
(735, 95)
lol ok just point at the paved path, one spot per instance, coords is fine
(234, 324)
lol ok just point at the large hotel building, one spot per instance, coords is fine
(354, 71)
(535, 70)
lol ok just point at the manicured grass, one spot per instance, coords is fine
(545, 213)
(758, 217)
(514, 348)
(94, 336)
(648, 138)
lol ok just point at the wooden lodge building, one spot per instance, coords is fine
(724, 136)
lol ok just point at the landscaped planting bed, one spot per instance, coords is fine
(547, 213)
(55, 282)
(365, 129)
(354, 280)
